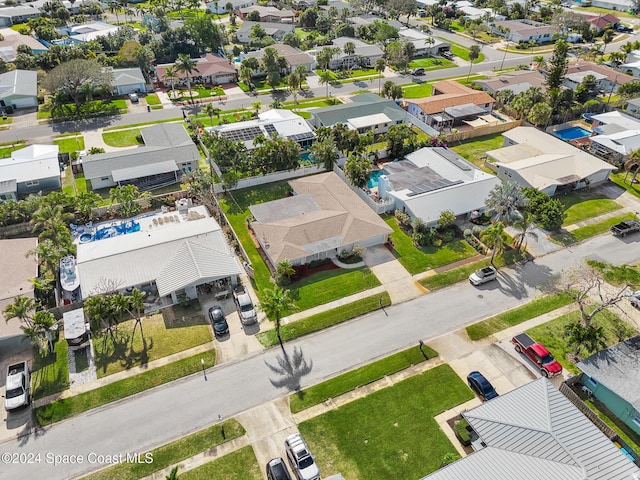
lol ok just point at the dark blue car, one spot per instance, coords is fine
(220, 326)
(481, 386)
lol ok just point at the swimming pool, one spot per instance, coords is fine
(111, 231)
(373, 179)
(572, 133)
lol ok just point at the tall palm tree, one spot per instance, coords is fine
(380, 67)
(185, 64)
(275, 302)
(493, 237)
(325, 78)
(171, 74)
(210, 110)
(302, 73)
(114, 7)
(505, 200)
(525, 224)
(136, 306)
(632, 165)
(349, 49)
(474, 54)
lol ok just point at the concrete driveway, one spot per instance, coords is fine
(13, 349)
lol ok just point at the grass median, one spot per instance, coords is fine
(518, 315)
(361, 376)
(326, 319)
(70, 406)
(173, 452)
(239, 465)
(580, 234)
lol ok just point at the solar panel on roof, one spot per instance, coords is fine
(270, 128)
(242, 134)
(431, 186)
(298, 137)
(455, 159)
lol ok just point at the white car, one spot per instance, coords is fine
(634, 299)
(303, 463)
(483, 275)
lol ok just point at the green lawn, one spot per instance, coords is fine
(356, 378)
(152, 99)
(463, 53)
(517, 315)
(618, 275)
(417, 91)
(430, 63)
(475, 150)
(390, 433)
(550, 334)
(173, 453)
(123, 138)
(50, 374)
(619, 179)
(421, 259)
(324, 319)
(239, 465)
(162, 336)
(580, 207)
(629, 436)
(6, 149)
(70, 144)
(68, 407)
(328, 285)
(578, 235)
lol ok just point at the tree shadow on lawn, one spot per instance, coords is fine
(46, 384)
(290, 369)
(123, 351)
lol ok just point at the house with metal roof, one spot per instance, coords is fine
(532, 158)
(128, 80)
(366, 112)
(165, 255)
(323, 218)
(612, 376)
(432, 180)
(167, 154)
(617, 135)
(85, 32)
(19, 89)
(277, 30)
(424, 45)
(18, 14)
(29, 170)
(282, 123)
(633, 107)
(535, 432)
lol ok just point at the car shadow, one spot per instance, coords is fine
(252, 329)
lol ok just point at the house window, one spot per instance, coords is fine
(104, 179)
(32, 183)
(636, 420)
(592, 381)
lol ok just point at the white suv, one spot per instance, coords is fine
(483, 275)
(303, 463)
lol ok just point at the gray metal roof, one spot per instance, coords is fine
(127, 76)
(466, 110)
(19, 82)
(535, 429)
(617, 368)
(166, 135)
(362, 105)
(270, 27)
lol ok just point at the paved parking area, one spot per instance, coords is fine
(13, 349)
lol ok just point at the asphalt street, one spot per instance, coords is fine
(140, 423)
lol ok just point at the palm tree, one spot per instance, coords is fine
(171, 74)
(505, 200)
(136, 305)
(493, 237)
(326, 77)
(185, 64)
(256, 107)
(245, 75)
(525, 224)
(349, 49)
(632, 165)
(114, 7)
(173, 475)
(380, 67)
(21, 309)
(275, 302)
(474, 54)
(210, 110)
(302, 74)
(607, 36)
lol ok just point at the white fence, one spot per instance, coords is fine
(380, 207)
(272, 177)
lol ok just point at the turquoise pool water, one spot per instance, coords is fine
(572, 133)
(373, 179)
(307, 157)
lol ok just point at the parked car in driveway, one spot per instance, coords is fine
(303, 463)
(481, 386)
(219, 323)
(277, 470)
(483, 275)
(134, 97)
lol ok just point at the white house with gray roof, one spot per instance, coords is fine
(19, 89)
(534, 432)
(29, 170)
(128, 80)
(277, 31)
(613, 377)
(18, 14)
(368, 53)
(167, 154)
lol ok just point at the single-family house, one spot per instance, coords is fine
(166, 255)
(612, 376)
(534, 431)
(221, 7)
(363, 52)
(323, 218)
(210, 70)
(167, 154)
(85, 32)
(128, 80)
(341, 6)
(431, 180)
(471, 12)
(32, 169)
(517, 82)
(282, 123)
(11, 40)
(532, 158)
(18, 14)
(631, 65)
(633, 107)
(293, 57)
(277, 31)
(268, 14)
(618, 5)
(600, 22)
(525, 31)
(19, 89)
(424, 45)
(366, 112)
(17, 268)
(451, 104)
(607, 79)
(617, 135)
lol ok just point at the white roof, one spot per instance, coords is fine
(368, 120)
(141, 257)
(622, 142)
(618, 118)
(577, 77)
(34, 162)
(74, 324)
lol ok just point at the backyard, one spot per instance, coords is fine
(390, 433)
(475, 150)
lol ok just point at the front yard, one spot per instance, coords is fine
(390, 433)
(50, 374)
(420, 259)
(581, 206)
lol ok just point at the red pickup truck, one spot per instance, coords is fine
(538, 354)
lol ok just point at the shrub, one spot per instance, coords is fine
(467, 233)
(404, 220)
(476, 230)
(462, 433)
(448, 235)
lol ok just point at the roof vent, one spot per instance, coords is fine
(183, 204)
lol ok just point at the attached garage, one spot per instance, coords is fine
(19, 89)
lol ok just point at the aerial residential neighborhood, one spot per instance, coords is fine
(335, 239)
